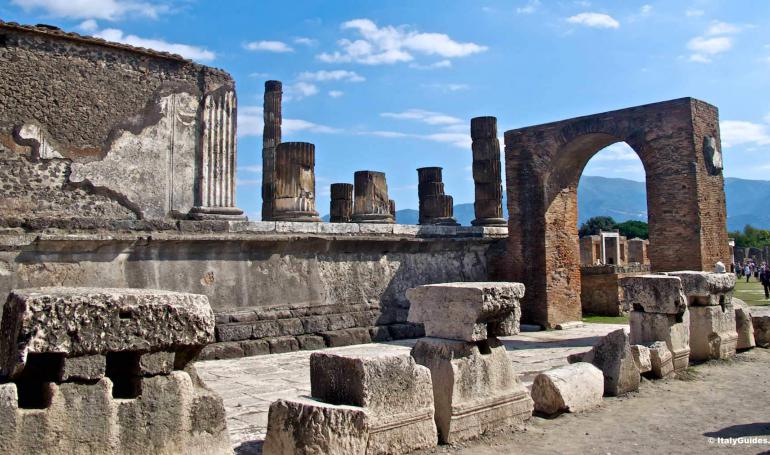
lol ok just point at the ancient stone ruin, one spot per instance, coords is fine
(487, 172)
(435, 206)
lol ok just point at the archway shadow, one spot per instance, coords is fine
(742, 430)
(517, 345)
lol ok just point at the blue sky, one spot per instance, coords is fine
(392, 85)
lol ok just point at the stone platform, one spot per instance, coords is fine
(248, 385)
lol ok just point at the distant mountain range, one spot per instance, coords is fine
(748, 202)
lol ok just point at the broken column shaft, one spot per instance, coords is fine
(487, 176)
(371, 203)
(435, 206)
(294, 183)
(271, 137)
(341, 210)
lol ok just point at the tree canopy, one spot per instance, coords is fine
(751, 237)
(629, 229)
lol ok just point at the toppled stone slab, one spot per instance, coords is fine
(661, 360)
(654, 294)
(85, 321)
(570, 388)
(760, 319)
(673, 329)
(613, 356)
(642, 357)
(570, 325)
(712, 332)
(474, 387)
(706, 288)
(464, 311)
(743, 325)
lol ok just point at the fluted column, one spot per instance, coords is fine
(487, 174)
(294, 182)
(435, 206)
(341, 206)
(371, 203)
(218, 148)
(271, 137)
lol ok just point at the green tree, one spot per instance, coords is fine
(751, 237)
(633, 228)
(592, 226)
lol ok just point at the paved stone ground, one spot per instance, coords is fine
(250, 384)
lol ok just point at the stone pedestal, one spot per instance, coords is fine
(341, 209)
(474, 387)
(271, 137)
(435, 206)
(371, 203)
(487, 175)
(743, 325)
(294, 182)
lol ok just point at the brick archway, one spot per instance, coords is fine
(678, 144)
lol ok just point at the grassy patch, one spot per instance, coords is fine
(594, 319)
(751, 292)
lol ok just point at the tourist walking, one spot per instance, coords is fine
(764, 277)
(747, 272)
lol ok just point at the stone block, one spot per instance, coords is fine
(264, 329)
(254, 347)
(310, 342)
(612, 354)
(409, 230)
(296, 227)
(315, 324)
(376, 229)
(221, 351)
(474, 387)
(760, 320)
(279, 345)
(252, 226)
(379, 333)
(338, 228)
(153, 363)
(706, 288)
(661, 360)
(463, 311)
(569, 325)
(712, 332)
(674, 330)
(87, 321)
(642, 357)
(571, 388)
(234, 332)
(654, 294)
(84, 368)
(404, 331)
(346, 337)
(507, 326)
(743, 325)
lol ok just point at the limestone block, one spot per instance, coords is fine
(307, 426)
(612, 354)
(392, 388)
(641, 357)
(706, 288)
(712, 332)
(152, 363)
(508, 326)
(570, 388)
(743, 325)
(463, 311)
(647, 328)
(85, 368)
(85, 321)
(654, 294)
(474, 387)
(661, 360)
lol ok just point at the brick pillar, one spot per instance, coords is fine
(487, 178)
(371, 203)
(341, 210)
(392, 205)
(435, 206)
(294, 182)
(271, 137)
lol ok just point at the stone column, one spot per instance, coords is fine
(294, 183)
(216, 188)
(341, 210)
(435, 206)
(371, 203)
(271, 137)
(486, 173)
(392, 205)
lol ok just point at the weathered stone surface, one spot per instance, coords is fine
(310, 342)
(294, 184)
(706, 288)
(254, 347)
(402, 331)
(346, 337)
(712, 332)
(654, 294)
(84, 368)
(487, 174)
(462, 311)
(760, 319)
(279, 345)
(674, 330)
(508, 326)
(642, 357)
(474, 387)
(612, 354)
(308, 426)
(661, 360)
(570, 388)
(743, 325)
(371, 203)
(435, 206)
(151, 364)
(84, 321)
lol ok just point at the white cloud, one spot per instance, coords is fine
(529, 8)
(428, 117)
(723, 28)
(247, 182)
(335, 75)
(335, 93)
(645, 10)
(259, 75)
(710, 46)
(767, 118)
(619, 151)
(185, 50)
(305, 41)
(389, 45)
(596, 20)
(89, 25)
(254, 169)
(432, 66)
(739, 132)
(455, 139)
(299, 90)
(698, 58)
(694, 12)
(109, 10)
(268, 46)
(448, 87)
(250, 123)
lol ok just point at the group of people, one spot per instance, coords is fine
(760, 272)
